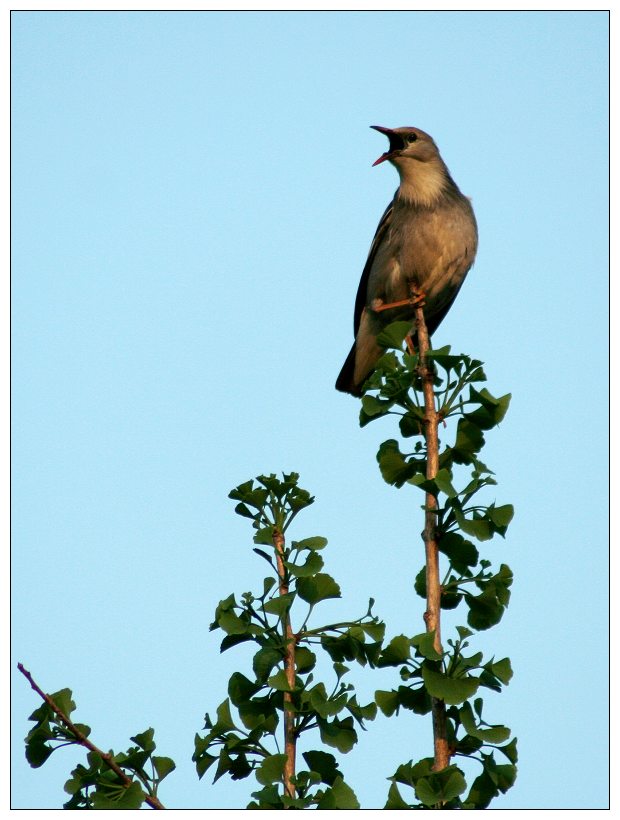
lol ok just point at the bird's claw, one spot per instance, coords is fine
(416, 299)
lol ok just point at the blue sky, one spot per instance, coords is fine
(192, 205)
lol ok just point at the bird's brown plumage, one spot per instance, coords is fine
(427, 238)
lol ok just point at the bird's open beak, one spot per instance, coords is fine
(396, 144)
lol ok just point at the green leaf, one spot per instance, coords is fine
(448, 362)
(312, 565)
(37, 751)
(237, 766)
(374, 630)
(469, 441)
(248, 494)
(398, 651)
(263, 662)
(501, 669)
(280, 604)
(484, 610)
(145, 740)
(501, 516)
(317, 542)
(388, 702)
(322, 704)
(42, 714)
(305, 660)
(462, 553)
(224, 720)
(163, 766)
(506, 776)
(203, 761)
(394, 800)
(393, 335)
(242, 510)
(408, 773)
(494, 778)
(493, 734)
(416, 699)
(317, 588)
(268, 798)
(490, 734)
(510, 750)
(134, 759)
(279, 682)
(491, 410)
(450, 598)
(412, 423)
(271, 769)
(64, 700)
(419, 583)
(340, 669)
(260, 713)
(324, 764)
(339, 796)
(264, 536)
(440, 787)
(373, 406)
(241, 689)
(83, 728)
(468, 745)
(393, 466)
(450, 690)
(443, 480)
(233, 640)
(362, 713)
(482, 791)
(425, 644)
(479, 527)
(125, 797)
(339, 734)
(231, 623)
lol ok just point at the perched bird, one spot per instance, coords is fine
(426, 241)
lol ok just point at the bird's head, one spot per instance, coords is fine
(407, 145)
(423, 174)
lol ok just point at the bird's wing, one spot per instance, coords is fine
(433, 321)
(360, 299)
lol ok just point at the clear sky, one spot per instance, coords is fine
(192, 202)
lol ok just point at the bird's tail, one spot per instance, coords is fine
(345, 382)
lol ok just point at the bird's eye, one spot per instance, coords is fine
(412, 137)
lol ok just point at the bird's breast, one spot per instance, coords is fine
(432, 249)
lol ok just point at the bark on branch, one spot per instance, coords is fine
(432, 616)
(290, 738)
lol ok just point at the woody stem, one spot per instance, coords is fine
(432, 616)
(290, 739)
(82, 739)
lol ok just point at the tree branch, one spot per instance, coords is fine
(432, 616)
(82, 740)
(290, 738)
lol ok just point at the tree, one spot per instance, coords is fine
(426, 390)
(259, 725)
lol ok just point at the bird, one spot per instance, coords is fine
(425, 243)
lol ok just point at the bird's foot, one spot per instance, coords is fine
(416, 299)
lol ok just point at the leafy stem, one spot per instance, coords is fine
(81, 738)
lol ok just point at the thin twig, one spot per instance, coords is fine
(432, 616)
(82, 740)
(290, 737)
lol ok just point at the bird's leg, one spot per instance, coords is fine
(416, 299)
(416, 296)
(409, 343)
